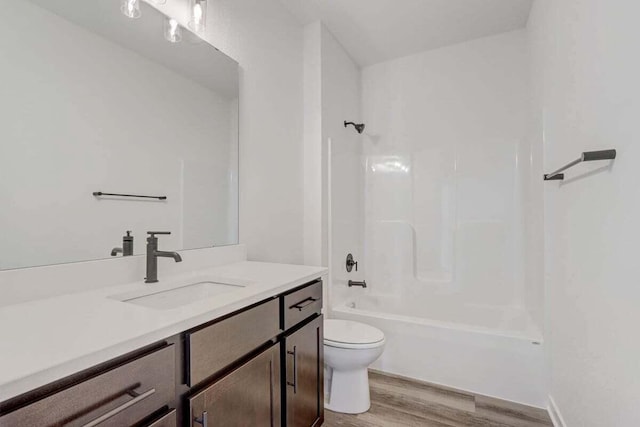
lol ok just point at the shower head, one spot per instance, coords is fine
(359, 127)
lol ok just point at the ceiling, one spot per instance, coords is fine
(374, 31)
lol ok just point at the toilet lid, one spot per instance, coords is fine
(348, 332)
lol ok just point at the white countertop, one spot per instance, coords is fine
(46, 340)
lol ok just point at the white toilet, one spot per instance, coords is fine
(349, 349)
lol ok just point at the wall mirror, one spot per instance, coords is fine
(94, 101)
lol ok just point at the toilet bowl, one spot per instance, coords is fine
(349, 349)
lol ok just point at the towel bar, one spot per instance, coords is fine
(587, 156)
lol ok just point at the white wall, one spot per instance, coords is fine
(98, 118)
(586, 72)
(332, 95)
(444, 199)
(341, 85)
(268, 42)
(313, 185)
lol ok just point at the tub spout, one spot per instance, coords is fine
(353, 283)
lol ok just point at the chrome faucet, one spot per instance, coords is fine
(153, 253)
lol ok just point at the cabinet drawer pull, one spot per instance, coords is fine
(204, 421)
(294, 384)
(112, 413)
(304, 303)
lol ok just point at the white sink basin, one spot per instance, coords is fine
(165, 299)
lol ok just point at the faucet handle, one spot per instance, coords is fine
(153, 233)
(351, 263)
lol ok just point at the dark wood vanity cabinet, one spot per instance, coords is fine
(260, 366)
(281, 385)
(304, 373)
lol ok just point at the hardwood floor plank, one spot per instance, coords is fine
(402, 402)
(389, 376)
(424, 409)
(417, 391)
(379, 416)
(511, 413)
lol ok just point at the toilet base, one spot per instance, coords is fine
(349, 392)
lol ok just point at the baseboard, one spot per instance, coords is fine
(554, 413)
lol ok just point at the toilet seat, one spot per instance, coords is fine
(351, 335)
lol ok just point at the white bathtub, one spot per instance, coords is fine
(487, 350)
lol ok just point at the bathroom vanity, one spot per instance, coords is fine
(278, 383)
(260, 364)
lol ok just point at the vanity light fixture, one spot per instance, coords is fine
(198, 20)
(131, 8)
(158, 1)
(172, 30)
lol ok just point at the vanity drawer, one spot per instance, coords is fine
(301, 304)
(122, 396)
(217, 346)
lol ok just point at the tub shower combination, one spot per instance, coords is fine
(442, 256)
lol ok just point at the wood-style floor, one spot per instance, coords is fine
(397, 401)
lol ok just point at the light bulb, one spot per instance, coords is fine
(197, 14)
(131, 8)
(172, 30)
(198, 21)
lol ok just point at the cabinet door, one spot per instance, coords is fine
(305, 375)
(248, 396)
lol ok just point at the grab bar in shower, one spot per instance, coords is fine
(587, 156)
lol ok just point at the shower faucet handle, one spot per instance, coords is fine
(351, 263)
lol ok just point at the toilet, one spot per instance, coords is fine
(349, 348)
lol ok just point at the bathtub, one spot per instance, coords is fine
(491, 351)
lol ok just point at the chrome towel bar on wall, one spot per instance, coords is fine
(587, 156)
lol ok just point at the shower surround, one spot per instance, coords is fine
(447, 179)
